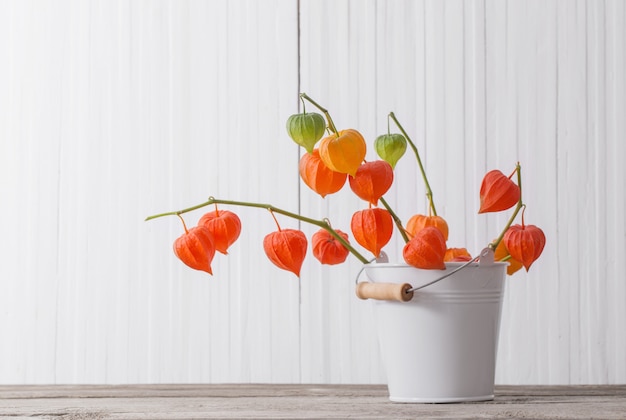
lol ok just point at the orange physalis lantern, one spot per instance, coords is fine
(498, 192)
(372, 228)
(286, 248)
(327, 249)
(420, 221)
(426, 249)
(195, 248)
(343, 151)
(456, 254)
(372, 180)
(500, 253)
(225, 227)
(525, 243)
(317, 176)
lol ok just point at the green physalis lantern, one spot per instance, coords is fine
(306, 129)
(390, 147)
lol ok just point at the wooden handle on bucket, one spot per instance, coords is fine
(384, 291)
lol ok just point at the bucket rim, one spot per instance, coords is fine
(449, 264)
(432, 276)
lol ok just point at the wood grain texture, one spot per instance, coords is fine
(112, 111)
(299, 402)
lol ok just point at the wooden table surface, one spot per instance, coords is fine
(265, 401)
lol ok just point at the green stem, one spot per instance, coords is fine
(520, 204)
(331, 124)
(184, 224)
(303, 105)
(429, 191)
(396, 219)
(321, 223)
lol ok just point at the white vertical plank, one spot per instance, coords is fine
(455, 198)
(595, 287)
(30, 171)
(434, 146)
(538, 147)
(474, 112)
(571, 120)
(615, 20)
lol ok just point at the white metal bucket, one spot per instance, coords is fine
(441, 346)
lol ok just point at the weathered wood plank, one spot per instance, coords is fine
(298, 401)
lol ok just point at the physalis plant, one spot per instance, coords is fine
(335, 156)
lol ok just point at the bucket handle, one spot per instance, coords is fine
(403, 292)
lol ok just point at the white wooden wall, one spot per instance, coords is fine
(112, 111)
